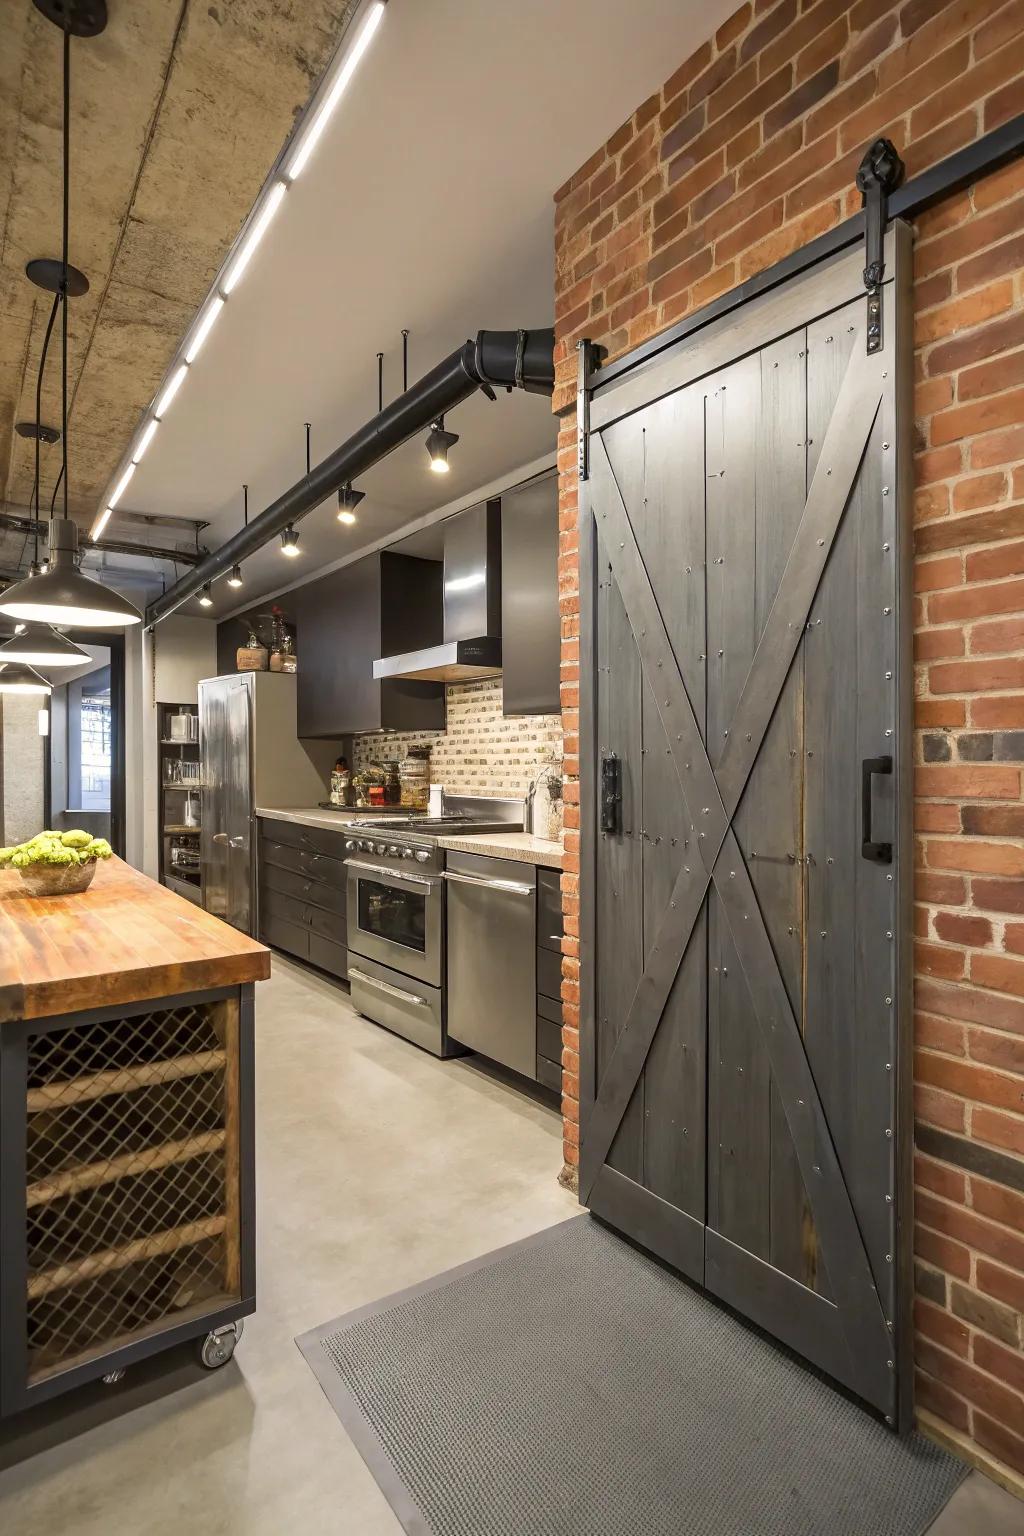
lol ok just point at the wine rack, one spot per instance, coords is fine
(130, 1213)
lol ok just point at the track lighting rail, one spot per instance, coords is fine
(495, 360)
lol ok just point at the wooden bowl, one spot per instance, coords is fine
(58, 879)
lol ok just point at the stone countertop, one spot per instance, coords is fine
(312, 816)
(508, 845)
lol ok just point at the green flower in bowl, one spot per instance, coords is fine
(56, 863)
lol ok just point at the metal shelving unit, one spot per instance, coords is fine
(178, 840)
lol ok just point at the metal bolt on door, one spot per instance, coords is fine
(745, 837)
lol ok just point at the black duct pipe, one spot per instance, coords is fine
(495, 360)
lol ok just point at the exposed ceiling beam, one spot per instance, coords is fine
(31, 526)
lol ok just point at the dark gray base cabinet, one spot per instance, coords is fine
(549, 979)
(302, 901)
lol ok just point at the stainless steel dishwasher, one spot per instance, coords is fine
(492, 958)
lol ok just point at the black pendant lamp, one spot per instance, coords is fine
(40, 646)
(15, 677)
(62, 595)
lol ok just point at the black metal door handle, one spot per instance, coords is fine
(611, 794)
(879, 853)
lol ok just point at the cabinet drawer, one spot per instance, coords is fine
(550, 1008)
(282, 934)
(549, 972)
(328, 956)
(303, 888)
(329, 925)
(291, 834)
(284, 909)
(549, 909)
(548, 1074)
(303, 861)
(549, 1039)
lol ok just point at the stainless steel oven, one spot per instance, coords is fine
(396, 917)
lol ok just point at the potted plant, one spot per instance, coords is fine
(57, 863)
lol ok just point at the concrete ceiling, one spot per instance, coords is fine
(178, 108)
(427, 204)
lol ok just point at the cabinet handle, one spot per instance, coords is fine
(385, 986)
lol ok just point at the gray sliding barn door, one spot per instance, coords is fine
(745, 818)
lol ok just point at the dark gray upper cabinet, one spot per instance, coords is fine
(530, 630)
(380, 606)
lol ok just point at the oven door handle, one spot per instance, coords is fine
(514, 887)
(385, 986)
(393, 874)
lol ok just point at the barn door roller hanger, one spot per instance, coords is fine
(879, 174)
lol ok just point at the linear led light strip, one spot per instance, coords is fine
(290, 164)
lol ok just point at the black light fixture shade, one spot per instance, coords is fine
(16, 677)
(438, 444)
(62, 595)
(348, 500)
(235, 579)
(41, 646)
(289, 541)
(205, 600)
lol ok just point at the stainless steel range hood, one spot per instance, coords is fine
(472, 605)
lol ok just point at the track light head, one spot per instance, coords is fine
(205, 600)
(289, 542)
(348, 500)
(235, 579)
(438, 443)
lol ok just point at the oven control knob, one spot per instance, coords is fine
(382, 847)
(366, 847)
(407, 853)
(422, 855)
(393, 851)
(350, 843)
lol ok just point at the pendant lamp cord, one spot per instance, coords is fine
(64, 271)
(39, 418)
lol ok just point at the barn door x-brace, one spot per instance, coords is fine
(821, 491)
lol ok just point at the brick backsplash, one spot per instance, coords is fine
(483, 752)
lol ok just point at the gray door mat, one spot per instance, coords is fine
(570, 1386)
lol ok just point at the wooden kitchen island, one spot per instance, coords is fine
(126, 1131)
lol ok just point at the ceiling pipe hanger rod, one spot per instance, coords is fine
(495, 360)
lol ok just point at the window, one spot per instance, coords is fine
(94, 737)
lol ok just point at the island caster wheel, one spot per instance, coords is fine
(218, 1347)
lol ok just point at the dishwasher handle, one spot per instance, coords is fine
(512, 887)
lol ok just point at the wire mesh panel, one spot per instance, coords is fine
(131, 1189)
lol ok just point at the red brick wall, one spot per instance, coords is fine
(747, 152)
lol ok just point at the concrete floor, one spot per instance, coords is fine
(377, 1167)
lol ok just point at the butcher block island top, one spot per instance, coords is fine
(123, 940)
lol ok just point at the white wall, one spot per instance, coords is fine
(22, 812)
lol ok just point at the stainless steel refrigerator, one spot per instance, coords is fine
(250, 757)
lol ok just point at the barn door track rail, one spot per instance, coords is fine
(905, 201)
